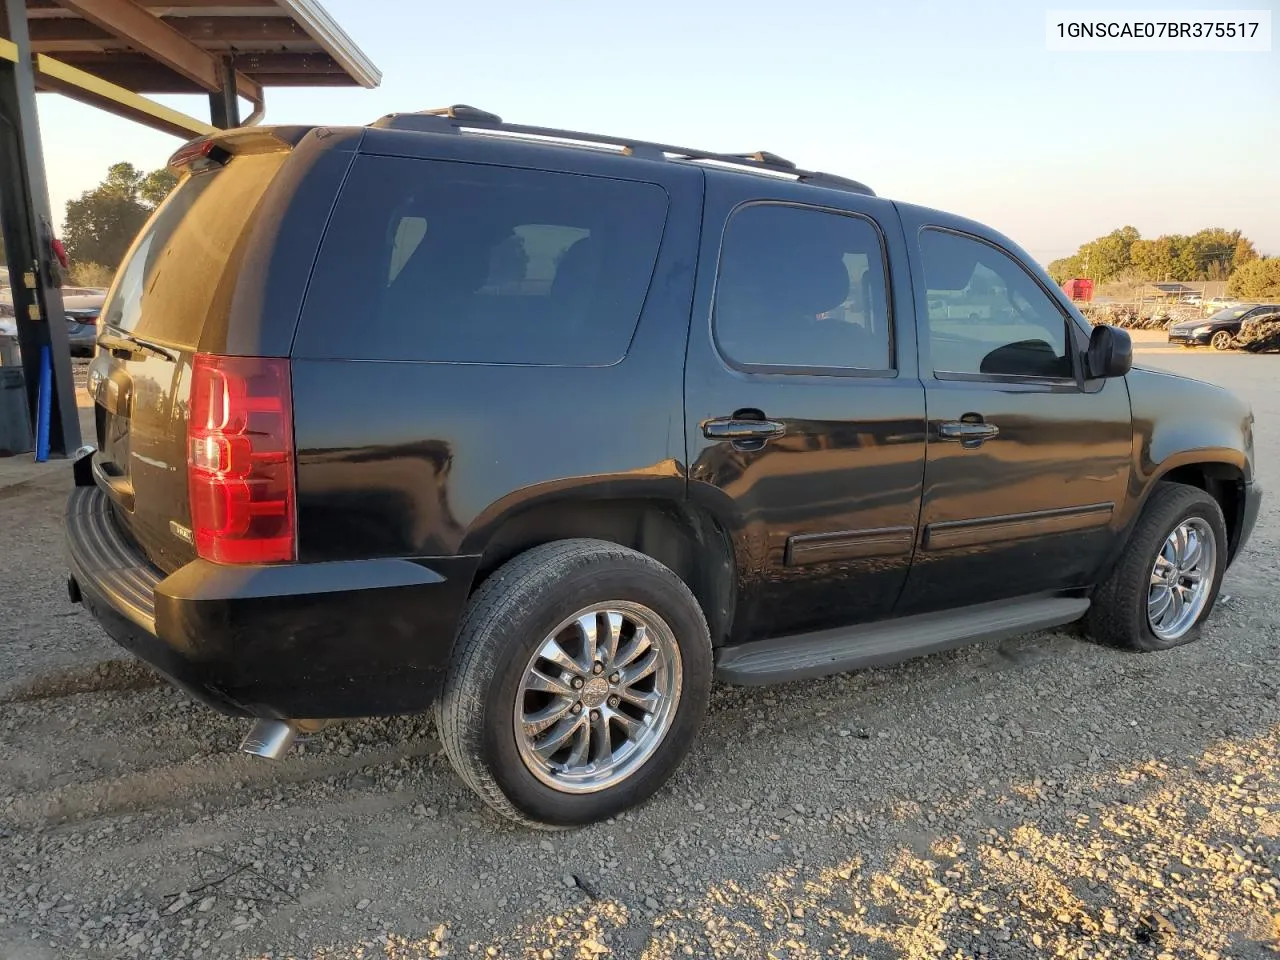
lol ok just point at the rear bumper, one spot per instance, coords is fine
(323, 640)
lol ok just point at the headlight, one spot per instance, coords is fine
(1199, 331)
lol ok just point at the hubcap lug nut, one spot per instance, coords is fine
(577, 708)
(595, 714)
(598, 668)
(577, 683)
(614, 701)
(615, 678)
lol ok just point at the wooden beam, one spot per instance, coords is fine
(139, 72)
(164, 4)
(59, 77)
(149, 34)
(145, 32)
(287, 62)
(232, 30)
(133, 72)
(336, 79)
(238, 29)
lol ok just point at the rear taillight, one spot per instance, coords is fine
(240, 459)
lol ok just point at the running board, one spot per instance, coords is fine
(806, 655)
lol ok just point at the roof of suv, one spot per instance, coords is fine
(460, 118)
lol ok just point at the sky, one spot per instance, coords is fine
(958, 106)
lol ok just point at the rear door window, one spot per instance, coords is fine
(802, 289)
(462, 263)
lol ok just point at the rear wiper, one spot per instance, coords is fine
(117, 343)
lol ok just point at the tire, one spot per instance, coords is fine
(510, 619)
(1118, 615)
(1222, 340)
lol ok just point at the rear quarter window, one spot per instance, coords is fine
(464, 263)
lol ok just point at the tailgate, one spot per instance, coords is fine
(174, 286)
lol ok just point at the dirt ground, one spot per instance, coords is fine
(1036, 797)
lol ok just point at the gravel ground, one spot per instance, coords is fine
(1037, 797)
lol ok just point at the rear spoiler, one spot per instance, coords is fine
(210, 152)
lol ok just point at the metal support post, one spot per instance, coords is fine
(224, 106)
(28, 239)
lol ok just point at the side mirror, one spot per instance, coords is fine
(1110, 353)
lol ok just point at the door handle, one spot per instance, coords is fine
(744, 433)
(969, 433)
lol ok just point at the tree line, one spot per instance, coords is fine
(1211, 254)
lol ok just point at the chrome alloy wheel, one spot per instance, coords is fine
(1181, 579)
(598, 697)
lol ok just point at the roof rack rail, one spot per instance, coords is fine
(460, 111)
(764, 156)
(460, 117)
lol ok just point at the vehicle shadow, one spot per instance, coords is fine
(1028, 796)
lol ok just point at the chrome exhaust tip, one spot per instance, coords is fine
(270, 739)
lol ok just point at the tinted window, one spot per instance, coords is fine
(1259, 310)
(987, 315)
(170, 281)
(1231, 313)
(802, 288)
(440, 261)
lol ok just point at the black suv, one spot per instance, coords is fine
(1221, 329)
(545, 430)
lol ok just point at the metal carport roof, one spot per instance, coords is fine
(110, 52)
(146, 47)
(113, 54)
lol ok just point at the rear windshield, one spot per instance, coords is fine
(173, 276)
(454, 262)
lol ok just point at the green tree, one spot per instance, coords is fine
(1109, 256)
(1102, 259)
(1065, 268)
(102, 222)
(1244, 253)
(1153, 259)
(1209, 254)
(1257, 279)
(155, 186)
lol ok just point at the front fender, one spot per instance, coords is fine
(1180, 422)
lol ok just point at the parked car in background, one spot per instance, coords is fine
(1218, 331)
(1214, 304)
(8, 323)
(1192, 299)
(628, 416)
(82, 312)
